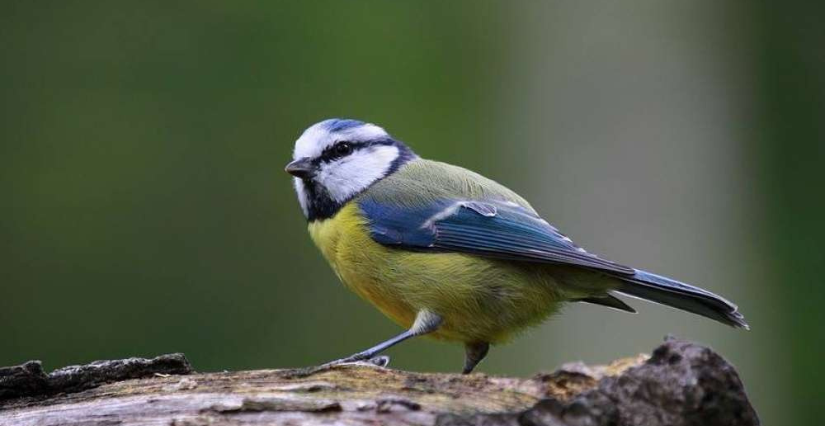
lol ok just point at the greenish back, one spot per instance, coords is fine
(420, 182)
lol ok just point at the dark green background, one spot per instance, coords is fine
(145, 211)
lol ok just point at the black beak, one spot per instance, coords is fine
(301, 168)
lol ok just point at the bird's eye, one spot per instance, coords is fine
(343, 149)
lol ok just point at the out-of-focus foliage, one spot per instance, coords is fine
(145, 210)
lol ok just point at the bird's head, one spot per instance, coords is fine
(336, 159)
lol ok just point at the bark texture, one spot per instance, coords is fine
(679, 384)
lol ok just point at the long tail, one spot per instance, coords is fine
(679, 295)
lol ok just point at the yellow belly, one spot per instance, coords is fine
(479, 299)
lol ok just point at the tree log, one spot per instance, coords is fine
(679, 384)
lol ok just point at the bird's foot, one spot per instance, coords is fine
(378, 361)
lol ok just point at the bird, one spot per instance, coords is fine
(447, 253)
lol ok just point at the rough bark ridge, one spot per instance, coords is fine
(680, 384)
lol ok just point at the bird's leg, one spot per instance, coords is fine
(473, 354)
(425, 322)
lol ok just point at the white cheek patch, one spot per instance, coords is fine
(352, 174)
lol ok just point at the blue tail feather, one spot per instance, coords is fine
(659, 289)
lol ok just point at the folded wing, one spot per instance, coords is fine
(493, 228)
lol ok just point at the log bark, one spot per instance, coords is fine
(679, 384)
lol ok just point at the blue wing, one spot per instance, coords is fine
(493, 228)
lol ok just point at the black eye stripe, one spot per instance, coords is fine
(331, 153)
(340, 149)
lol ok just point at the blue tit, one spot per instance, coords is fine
(447, 253)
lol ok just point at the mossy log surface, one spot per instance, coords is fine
(680, 383)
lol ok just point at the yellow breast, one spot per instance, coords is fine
(361, 263)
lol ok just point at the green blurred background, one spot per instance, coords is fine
(145, 210)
